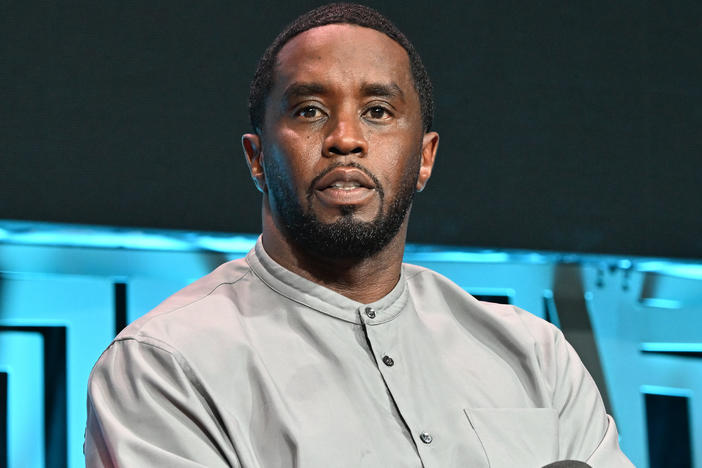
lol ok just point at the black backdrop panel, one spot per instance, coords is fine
(564, 125)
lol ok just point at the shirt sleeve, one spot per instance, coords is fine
(608, 452)
(146, 409)
(585, 431)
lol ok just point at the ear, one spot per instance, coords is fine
(430, 143)
(253, 153)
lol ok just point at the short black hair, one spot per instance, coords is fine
(334, 13)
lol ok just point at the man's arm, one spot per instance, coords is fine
(585, 431)
(145, 409)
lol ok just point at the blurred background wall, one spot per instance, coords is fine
(567, 183)
(564, 125)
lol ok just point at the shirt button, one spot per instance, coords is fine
(370, 312)
(425, 437)
(388, 361)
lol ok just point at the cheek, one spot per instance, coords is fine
(303, 146)
(398, 158)
(293, 154)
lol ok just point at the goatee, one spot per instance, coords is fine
(346, 238)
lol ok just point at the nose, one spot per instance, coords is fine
(345, 137)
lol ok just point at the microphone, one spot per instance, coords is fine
(567, 464)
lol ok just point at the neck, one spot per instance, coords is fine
(363, 280)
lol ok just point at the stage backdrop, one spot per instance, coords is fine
(571, 126)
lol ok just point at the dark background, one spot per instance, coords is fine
(564, 125)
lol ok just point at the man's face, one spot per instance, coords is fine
(342, 149)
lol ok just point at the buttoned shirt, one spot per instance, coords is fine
(255, 366)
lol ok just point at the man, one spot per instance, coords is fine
(320, 348)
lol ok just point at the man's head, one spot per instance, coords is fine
(341, 140)
(335, 13)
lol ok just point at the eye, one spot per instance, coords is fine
(378, 113)
(309, 113)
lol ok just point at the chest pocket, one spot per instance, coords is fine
(511, 437)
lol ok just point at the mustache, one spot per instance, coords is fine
(355, 165)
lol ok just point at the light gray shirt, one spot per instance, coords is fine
(255, 366)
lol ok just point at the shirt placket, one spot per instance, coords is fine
(392, 366)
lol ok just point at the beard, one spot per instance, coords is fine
(346, 238)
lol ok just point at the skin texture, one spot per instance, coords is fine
(342, 96)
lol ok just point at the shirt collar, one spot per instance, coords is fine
(322, 299)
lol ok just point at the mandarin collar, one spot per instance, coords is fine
(323, 299)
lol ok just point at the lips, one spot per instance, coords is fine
(344, 186)
(344, 178)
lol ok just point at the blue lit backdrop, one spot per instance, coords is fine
(66, 289)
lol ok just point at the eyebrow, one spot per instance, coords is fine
(298, 90)
(390, 90)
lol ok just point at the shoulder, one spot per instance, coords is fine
(433, 291)
(197, 311)
(191, 335)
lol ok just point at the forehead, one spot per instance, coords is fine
(345, 53)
